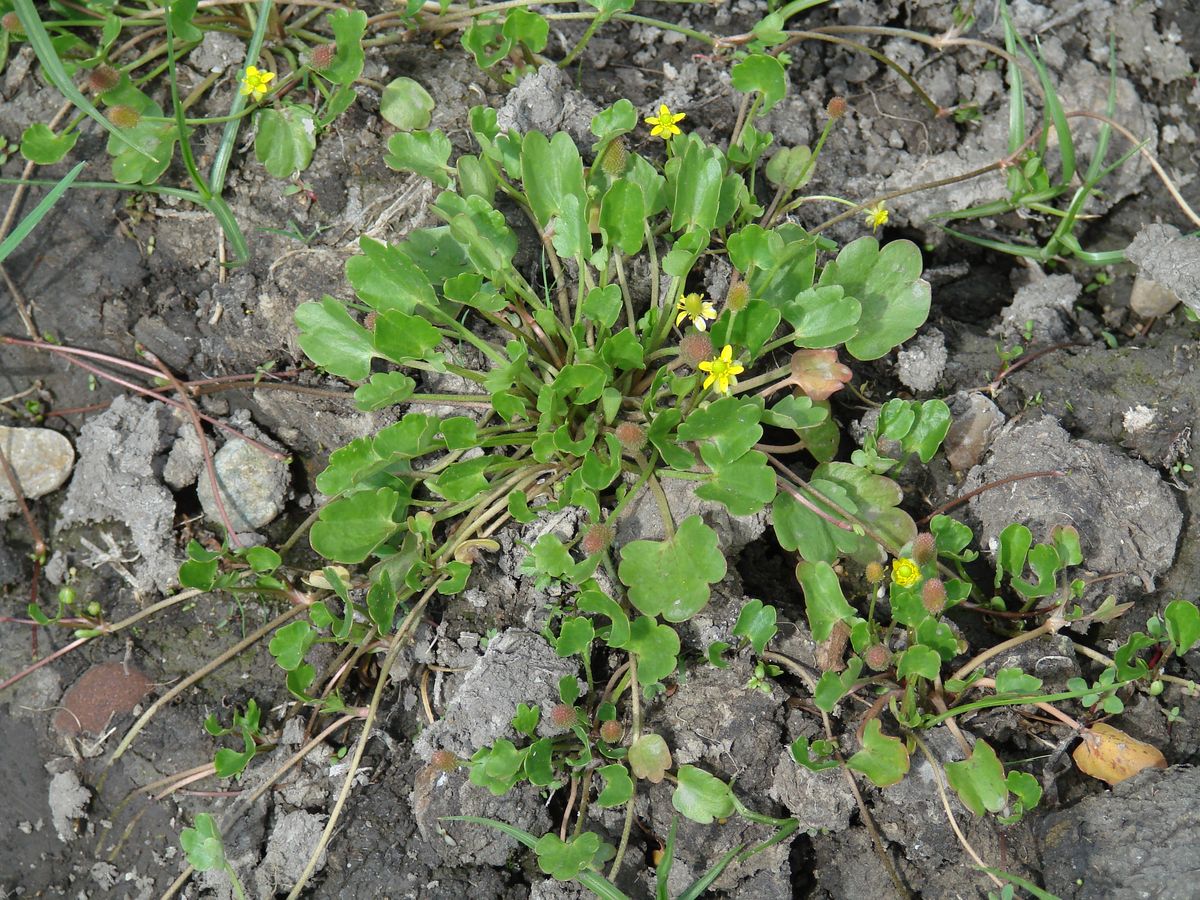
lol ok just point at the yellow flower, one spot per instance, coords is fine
(664, 123)
(877, 215)
(696, 308)
(905, 572)
(255, 82)
(722, 370)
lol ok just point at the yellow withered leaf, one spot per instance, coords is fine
(1111, 755)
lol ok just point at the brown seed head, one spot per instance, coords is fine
(836, 108)
(124, 116)
(924, 549)
(598, 537)
(933, 596)
(632, 437)
(11, 22)
(695, 348)
(875, 572)
(612, 731)
(563, 717)
(615, 158)
(738, 296)
(877, 657)
(322, 55)
(443, 761)
(103, 78)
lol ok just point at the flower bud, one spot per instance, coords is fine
(322, 55)
(124, 116)
(877, 657)
(924, 549)
(11, 23)
(563, 717)
(875, 572)
(933, 596)
(738, 296)
(836, 108)
(443, 761)
(612, 731)
(630, 436)
(598, 537)
(614, 158)
(695, 348)
(103, 78)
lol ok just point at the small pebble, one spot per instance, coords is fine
(253, 486)
(42, 459)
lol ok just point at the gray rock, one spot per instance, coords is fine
(822, 801)
(40, 458)
(1149, 299)
(293, 838)
(517, 667)
(1041, 309)
(253, 486)
(1173, 260)
(185, 461)
(974, 422)
(116, 481)
(68, 801)
(545, 101)
(1137, 840)
(1128, 519)
(920, 364)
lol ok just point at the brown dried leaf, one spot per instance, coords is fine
(818, 373)
(1111, 755)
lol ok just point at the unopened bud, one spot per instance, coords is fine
(695, 348)
(322, 55)
(836, 108)
(563, 717)
(596, 538)
(877, 657)
(103, 78)
(124, 116)
(612, 731)
(933, 596)
(614, 159)
(630, 436)
(11, 22)
(924, 549)
(443, 761)
(738, 296)
(875, 572)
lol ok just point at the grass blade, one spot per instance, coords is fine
(39, 40)
(220, 166)
(31, 221)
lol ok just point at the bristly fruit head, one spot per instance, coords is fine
(695, 348)
(563, 717)
(124, 116)
(875, 572)
(836, 108)
(615, 158)
(443, 761)
(103, 78)
(924, 549)
(738, 296)
(322, 55)
(933, 596)
(612, 731)
(630, 436)
(877, 657)
(11, 23)
(597, 538)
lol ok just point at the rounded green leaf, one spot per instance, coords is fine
(424, 152)
(763, 73)
(919, 660)
(565, 860)
(656, 647)
(671, 578)
(649, 757)
(618, 786)
(979, 780)
(701, 797)
(1183, 624)
(333, 340)
(756, 623)
(574, 636)
(406, 104)
(350, 528)
(42, 146)
(285, 139)
(882, 759)
(623, 216)
(824, 603)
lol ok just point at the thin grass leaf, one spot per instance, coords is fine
(1109, 109)
(31, 221)
(229, 225)
(1023, 884)
(220, 166)
(1016, 87)
(999, 246)
(663, 872)
(39, 40)
(1054, 110)
(701, 884)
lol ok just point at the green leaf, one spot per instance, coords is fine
(381, 603)
(671, 577)
(1015, 541)
(40, 145)
(730, 423)
(591, 599)
(816, 758)
(649, 757)
(822, 317)
(756, 623)
(824, 603)
(743, 487)
(1026, 788)
(952, 538)
(618, 786)
(574, 636)
(979, 780)
(333, 340)
(202, 844)
(349, 529)
(526, 27)
(618, 119)
(385, 278)
(401, 337)
(656, 647)
(285, 139)
(384, 389)
(553, 171)
(919, 660)
(701, 797)
(525, 720)
(566, 860)
(498, 767)
(833, 686)
(539, 762)
(888, 284)
(790, 167)
(144, 151)
(1044, 561)
(425, 152)
(481, 229)
(290, 643)
(1014, 681)
(763, 73)
(406, 104)
(623, 216)
(695, 188)
(882, 759)
(348, 27)
(603, 305)
(1183, 625)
